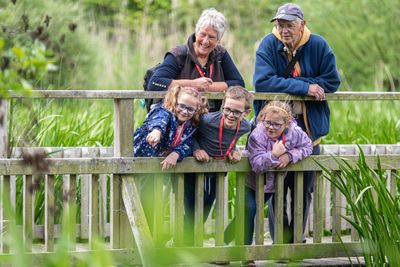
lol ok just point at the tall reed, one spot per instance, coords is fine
(374, 209)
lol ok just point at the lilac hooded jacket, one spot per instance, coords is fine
(259, 146)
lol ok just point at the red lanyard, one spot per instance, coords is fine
(201, 72)
(178, 136)
(221, 127)
(283, 138)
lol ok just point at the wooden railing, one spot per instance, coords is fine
(127, 224)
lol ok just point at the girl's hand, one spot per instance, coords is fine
(170, 161)
(278, 149)
(201, 155)
(154, 137)
(284, 160)
(234, 156)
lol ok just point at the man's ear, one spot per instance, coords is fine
(246, 112)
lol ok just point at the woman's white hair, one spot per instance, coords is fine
(211, 17)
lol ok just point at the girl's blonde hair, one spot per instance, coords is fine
(171, 99)
(237, 92)
(277, 107)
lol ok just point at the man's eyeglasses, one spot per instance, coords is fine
(274, 125)
(235, 113)
(183, 107)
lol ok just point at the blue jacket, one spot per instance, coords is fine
(167, 123)
(318, 65)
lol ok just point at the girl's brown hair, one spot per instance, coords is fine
(171, 99)
(279, 107)
(237, 92)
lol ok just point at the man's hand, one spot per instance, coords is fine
(153, 138)
(316, 91)
(201, 155)
(170, 161)
(234, 156)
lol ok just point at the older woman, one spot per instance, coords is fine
(202, 63)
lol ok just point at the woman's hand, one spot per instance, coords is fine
(201, 155)
(234, 156)
(278, 149)
(153, 138)
(170, 161)
(202, 84)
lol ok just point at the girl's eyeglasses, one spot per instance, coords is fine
(274, 125)
(183, 107)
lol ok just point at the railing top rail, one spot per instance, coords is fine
(135, 94)
(129, 165)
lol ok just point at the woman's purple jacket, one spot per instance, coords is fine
(259, 147)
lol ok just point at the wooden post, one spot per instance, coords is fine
(120, 237)
(318, 207)
(278, 209)
(179, 224)
(298, 207)
(239, 209)
(219, 210)
(94, 217)
(336, 213)
(158, 215)
(49, 213)
(199, 211)
(27, 212)
(260, 209)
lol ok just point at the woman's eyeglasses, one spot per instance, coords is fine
(183, 107)
(235, 113)
(274, 125)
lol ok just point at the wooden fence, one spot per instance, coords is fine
(126, 232)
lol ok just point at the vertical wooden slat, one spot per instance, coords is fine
(199, 211)
(219, 211)
(353, 232)
(120, 234)
(94, 217)
(137, 220)
(5, 226)
(158, 209)
(115, 210)
(49, 213)
(278, 209)
(298, 207)
(393, 183)
(327, 208)
(103, 196)
(178, 230)
(5, 181)
(70, 209)
(318, 207)
(336, 211)
(27, 212)
(260, 209)
(239, 208)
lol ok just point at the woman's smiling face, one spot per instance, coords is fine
(206, 41)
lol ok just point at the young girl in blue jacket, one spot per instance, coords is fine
(169, 127)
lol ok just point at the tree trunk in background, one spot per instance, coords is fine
(142, 41)
(174, 22)
(189, 19)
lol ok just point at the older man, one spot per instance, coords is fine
(293, 60)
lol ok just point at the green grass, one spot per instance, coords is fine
(374, 209)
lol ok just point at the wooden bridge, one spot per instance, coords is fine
(114, 215)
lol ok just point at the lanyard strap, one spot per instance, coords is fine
(283, 138)
(201, 72)
(221, 127)
(178, 136)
